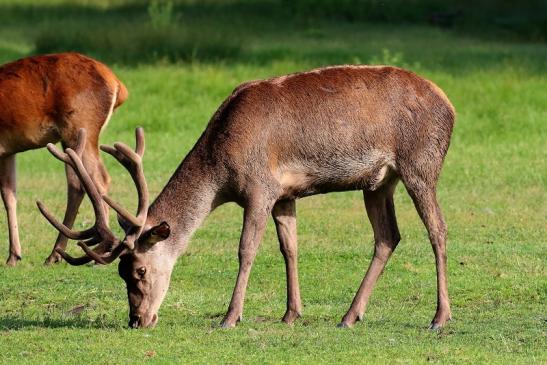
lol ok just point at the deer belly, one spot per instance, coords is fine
(309, 179)
(26, 135)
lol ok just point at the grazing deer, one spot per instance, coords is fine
(46, 99)
(269, 143)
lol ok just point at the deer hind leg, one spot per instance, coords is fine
(424, 196)
(284, 214)
(256, 214)
(8, 190)
(381, 213)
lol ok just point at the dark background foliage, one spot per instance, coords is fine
(141, 31)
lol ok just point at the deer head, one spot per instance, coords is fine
(144, 266)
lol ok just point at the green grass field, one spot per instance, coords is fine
(492, 191)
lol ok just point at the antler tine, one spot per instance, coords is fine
(93, 240)
(79, 148)
(122, 211)
(77, 261)
(61, 156)
(74, 261)
(123, 153)
(127, 152)
(139, 137)
(132, 160)
(139, 143)
(70, 233)
(107, 259)
(101, 224)
(91, 255)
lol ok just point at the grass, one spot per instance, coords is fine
(492, 192)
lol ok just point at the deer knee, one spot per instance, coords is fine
(438, 234)
(289, 251)
(8, 193)
(385, 246)
(246, 257)
(383, 251)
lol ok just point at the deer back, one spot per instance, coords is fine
(43, 97)
(336, 128)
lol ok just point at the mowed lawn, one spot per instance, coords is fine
(492, 192)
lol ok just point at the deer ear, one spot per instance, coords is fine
(159, 233)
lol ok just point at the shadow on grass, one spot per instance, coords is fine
(15, 323)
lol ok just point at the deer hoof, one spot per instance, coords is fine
(344, 325)
(227, 324)
(291, 316)
(437, 324)
(13, 259)
(54, 258)
(350, 319)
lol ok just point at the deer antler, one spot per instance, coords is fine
(100, 232)
(132, 161)
(69, 157)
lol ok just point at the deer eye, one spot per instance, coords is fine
(141, 271)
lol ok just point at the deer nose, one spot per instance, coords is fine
(134, 321)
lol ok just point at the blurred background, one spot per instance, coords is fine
(262, 31)
(174, 51)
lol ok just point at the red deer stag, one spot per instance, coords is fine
(269, 143)
(46, 99)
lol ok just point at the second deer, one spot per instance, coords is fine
(47, 99)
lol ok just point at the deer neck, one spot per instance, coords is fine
(191, 194)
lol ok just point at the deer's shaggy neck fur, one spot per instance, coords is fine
(189, 197)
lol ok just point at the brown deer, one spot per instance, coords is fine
(271, 142)
(46, 99)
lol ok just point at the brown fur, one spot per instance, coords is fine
(273, 141)
(47, 99)
(331, 129)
